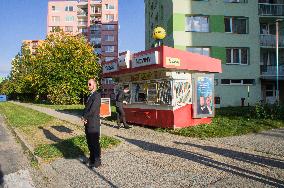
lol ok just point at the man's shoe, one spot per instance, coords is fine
(97, 164)
(83, 159)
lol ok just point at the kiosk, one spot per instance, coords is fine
(169, 88)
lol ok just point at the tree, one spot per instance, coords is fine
(63, 64)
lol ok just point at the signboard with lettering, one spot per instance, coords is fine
(110, 67)
(124, 59)
(203, 95)
(172, 61)
(146, 59)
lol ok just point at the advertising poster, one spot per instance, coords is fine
(204, 95)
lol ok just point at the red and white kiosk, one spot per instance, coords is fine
(169, 88)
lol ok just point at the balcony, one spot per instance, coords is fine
(96, 1)
(270, 71)
(267, 9)
(96, 21)
(84, 24)
(267, 40)
(81, 13)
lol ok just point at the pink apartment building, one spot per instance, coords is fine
(96, 19)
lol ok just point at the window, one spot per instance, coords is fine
(69, 18)
(68, 29)
(201, 51)
(108, 27)
(109, 7)
(197, 24)
(267, 29)
(55, 19)
(236, 25)
(235, 1)
(55, 29)
(109, 17)
(98, 50)
(109, 38)
(69, 8)
(237, 56)
(237, 81)
(109, 58)
(54, 9)
(109, 49)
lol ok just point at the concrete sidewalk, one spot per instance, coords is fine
(147, 158)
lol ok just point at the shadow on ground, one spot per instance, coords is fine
(1, 177)
(209, 162)
(70, 147)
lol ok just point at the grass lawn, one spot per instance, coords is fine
(231, 121)
(50, 137)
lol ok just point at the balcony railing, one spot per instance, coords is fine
(267, 9)
(82, 23)
(270, 70)
(270, 40)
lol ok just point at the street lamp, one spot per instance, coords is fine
(277, 59)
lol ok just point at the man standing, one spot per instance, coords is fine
(119, 100)
(91, 119)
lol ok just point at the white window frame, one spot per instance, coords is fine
(109, 27)
(109, 7)
(197, 48)
(68, 8)
(55, 19)
(109, 38)
(231, 24)
(240, 56)
(69, 18)
(109, 49)
(237, 84)
(67, 29)
(189, 23)
(110, 17)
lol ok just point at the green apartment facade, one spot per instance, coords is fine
(238, 32)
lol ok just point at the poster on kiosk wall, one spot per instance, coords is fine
(203, 95)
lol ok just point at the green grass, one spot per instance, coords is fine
(230, 121)
(21, 117)
(62, 107)
(71, 148)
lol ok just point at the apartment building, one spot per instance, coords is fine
(241, 33)
(97, 20)
(32, 45)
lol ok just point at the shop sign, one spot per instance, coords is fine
(172, 61)
(110, 67)
(146, 59)
(124, 59)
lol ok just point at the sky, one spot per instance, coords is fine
(26, 20)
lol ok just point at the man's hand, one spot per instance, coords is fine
(124, 102)
(83, 120)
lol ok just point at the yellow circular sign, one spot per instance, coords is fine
(159, 33)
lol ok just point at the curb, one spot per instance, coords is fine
(27, 148)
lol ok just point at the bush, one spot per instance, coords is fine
(269, 111)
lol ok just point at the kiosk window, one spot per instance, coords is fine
(164, 92)
(139, 91)
(182, 91)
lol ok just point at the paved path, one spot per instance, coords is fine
(14, 166)
(152, 159)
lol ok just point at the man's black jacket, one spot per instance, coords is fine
(92, 112)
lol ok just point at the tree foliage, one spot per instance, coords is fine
(58, 71)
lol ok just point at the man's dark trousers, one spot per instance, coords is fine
(120, 115)
(93, 141)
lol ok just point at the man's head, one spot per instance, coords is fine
(126, 89)
(201, 101)
(92, 85)
(208, 101)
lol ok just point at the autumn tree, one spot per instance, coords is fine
(63, 64)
